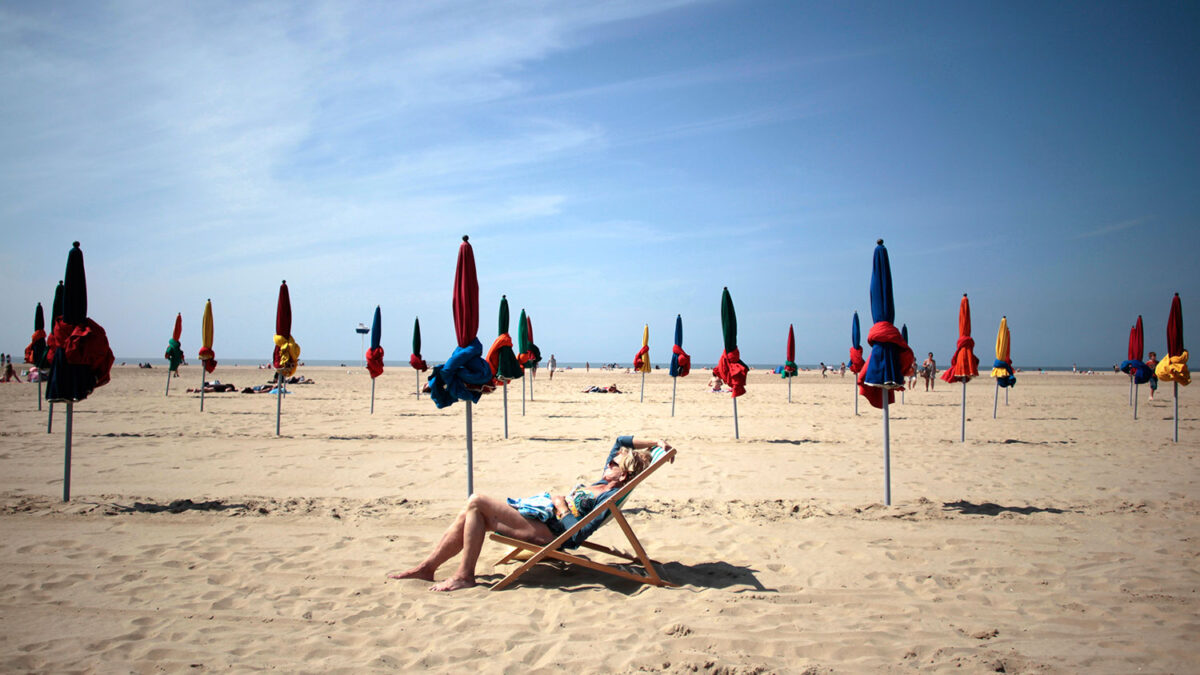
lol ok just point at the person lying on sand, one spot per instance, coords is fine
(536, 519)
(213, 387)
(610, 389)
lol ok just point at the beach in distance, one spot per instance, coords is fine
(1063, 536)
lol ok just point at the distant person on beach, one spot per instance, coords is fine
(929, 372)
(552, 364)
(1151, 363)
(714, 384)
(610, 389)
(9, 373)
(824, 370)
(842, 369)
(537, 519)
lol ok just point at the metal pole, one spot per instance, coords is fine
(506, 409)
(418, 384)
(1176, 412)
(963, 436)
(642, 395)
(201, 386)
(1006, 397)
(789, 390)
(1131, 389)
(735, 423)
(168, 392)
(470, 476)
(39, 389)
(522, 397)
(372, 396)
(278, 399)
(674, 384)
(67, 463)
(1135, 405)
(854, 389)
(996, 400)
(50, 418)
(887, 454)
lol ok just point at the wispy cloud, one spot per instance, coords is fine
(1114, 227)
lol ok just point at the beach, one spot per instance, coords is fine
(1061, 537)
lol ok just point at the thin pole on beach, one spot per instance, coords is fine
(201, 386)
(470, 476)
(522, 397)
(1131, 399)
(372, 396)
(887, 454)
(67, 462)
(642, 395)
(505, 385)
(854, 392)
(1135, 405)
(50, 417)
(1176, 412)
(674, 384)
(735, 421)
(278, 399)
(996, 401)
(418, 384)
(39, 390)
(789, 390)
(168, 392)
(963, 436)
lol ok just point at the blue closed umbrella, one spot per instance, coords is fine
(374, 355)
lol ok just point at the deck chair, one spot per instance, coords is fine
(554, 550)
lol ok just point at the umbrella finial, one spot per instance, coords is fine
(75, 244)
(879, 242)
(465, 237)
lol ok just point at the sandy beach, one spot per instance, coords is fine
(1061, 537)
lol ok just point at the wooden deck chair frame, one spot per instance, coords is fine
(553, 550)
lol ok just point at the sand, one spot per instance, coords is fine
(1061, 537)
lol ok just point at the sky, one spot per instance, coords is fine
(614, 163)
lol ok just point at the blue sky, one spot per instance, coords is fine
(615, 164)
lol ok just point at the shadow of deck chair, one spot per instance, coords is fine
(555, 549)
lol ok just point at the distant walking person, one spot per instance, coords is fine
(553, 363)
(824, 370)
(929, 372)
(1151, 363)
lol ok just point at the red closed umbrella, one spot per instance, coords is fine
(964, 365)
(1173, 368)
(286, 357)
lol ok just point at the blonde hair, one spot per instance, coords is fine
(633, 462)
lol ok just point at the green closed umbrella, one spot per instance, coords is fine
(730, 368)
(505, 364)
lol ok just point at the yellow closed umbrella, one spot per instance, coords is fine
(208, 359)
(641, 362)
(1002, 368)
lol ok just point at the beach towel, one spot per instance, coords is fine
(465, 376)
(732, 372)
(1174, 369)
(538, 507)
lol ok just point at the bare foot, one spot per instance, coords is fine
(453, 584)
(415, 573)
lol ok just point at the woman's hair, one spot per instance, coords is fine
(633, 461)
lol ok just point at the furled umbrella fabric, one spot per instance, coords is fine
(286, 357)
(1002, 368)
(641, 360)
(55, 317)
(790, 369)
(174, 353)
(1174, 367)
(82, 359)
(681, 362)
(415, 359)
(532, 356)
(890, 355)
(465, 375)
(501, 357)
(1133, 364)
(374, 355)
(208, 358)
(964, 365)
(35, 353)
(730, 368)
(856, 350)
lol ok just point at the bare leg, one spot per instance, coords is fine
(449, 546)
(482, 514)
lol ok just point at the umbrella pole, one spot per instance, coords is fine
(470, 476)
(963, 436)
(506, 410)
(372, 396)
(201, 386)
(735, 423)
(1135, 404)
(789, 390)
(1176, 412)
(853, 389)
(522, 397)
(1006, 398)
(531, 386)
(168, 392)
(642, 395)
(996, 401)
(418, 385)
(674, 384)
(1131, 389)
(39, 391)
(887, 454)
(50, 418)
(67, 463)
(278, 400)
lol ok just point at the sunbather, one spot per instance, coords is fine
(483, 514)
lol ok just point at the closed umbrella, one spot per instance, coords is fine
(286, 357)
(1002, 368)
(527, 353)
(641, 360)
(415, 359)
(208, 358)
(174, 353)
(681, 363)
(912, 372)
(52, 346)
(374, 355)
(965, 364)
(82, 358)
(503, 359)
(730, 367)
(890, 357)
(1139, 372)
(1174, 367)
(465, 375)
(856, 356)
(789, 364)
(35, 353)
